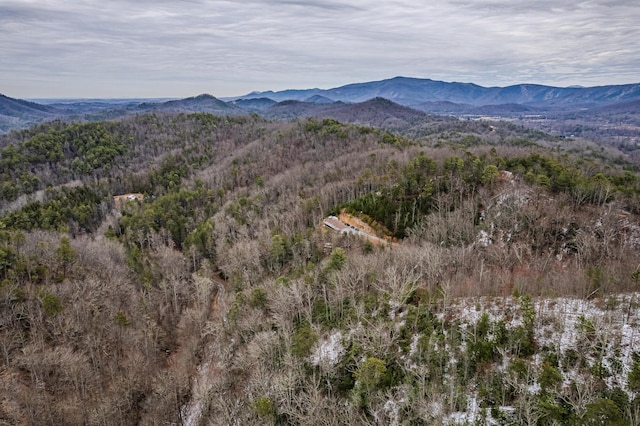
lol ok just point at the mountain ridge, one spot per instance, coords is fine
(421, 94)
(15, 113)
(409, 91)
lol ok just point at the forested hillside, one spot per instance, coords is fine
(508, 296)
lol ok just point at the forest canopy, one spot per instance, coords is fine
(507, 291)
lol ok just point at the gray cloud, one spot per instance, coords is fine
(118, 48)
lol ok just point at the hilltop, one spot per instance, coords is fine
(18, 113)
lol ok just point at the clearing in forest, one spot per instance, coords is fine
(346, 223)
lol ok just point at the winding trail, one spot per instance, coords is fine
(210, 368)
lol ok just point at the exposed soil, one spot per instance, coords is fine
(361, 225)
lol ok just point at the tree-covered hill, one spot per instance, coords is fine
(16, 113)
(509, 296)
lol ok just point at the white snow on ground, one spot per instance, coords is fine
(560, 323)
(392, 410)
(483, 239)
(516, 197)
(192, 411)
(329, 350)
(468, 417)
(413, 348)
(469, 311)
(614, 327)
(569, 311)
(616, 319)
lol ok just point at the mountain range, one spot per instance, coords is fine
(425, 95)
(415, 92)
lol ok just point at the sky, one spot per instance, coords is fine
(163, 48)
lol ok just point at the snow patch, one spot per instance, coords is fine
(329, 351)
(468, 417)
(483, 239)
(393, 412)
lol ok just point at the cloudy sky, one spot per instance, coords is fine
(163, 48)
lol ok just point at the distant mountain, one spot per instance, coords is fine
(422, 95)
(19, 108)
(450, 108)
(318, 99)
(91, 106)
(254, 105)
(378, 112)
(16, 113)
(505, 109)
(201, 103)
(283, 95)
(442, 107)
(416, 92)
(291, 109)
(621, 108)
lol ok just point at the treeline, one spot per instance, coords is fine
(401, 197)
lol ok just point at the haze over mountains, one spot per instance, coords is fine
(16, 113)
(419, 94)
(415, 91)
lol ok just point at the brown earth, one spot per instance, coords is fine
(364, 227)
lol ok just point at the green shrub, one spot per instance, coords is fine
(121, 319)
(303, 340)
(258, 298)
(337, 259)
(370, 373)
(633, 379)
(549, 377)
(51, 304)
(603, 412)
(265, 408)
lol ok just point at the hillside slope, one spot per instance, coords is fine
(16, 113)
(216, 295)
